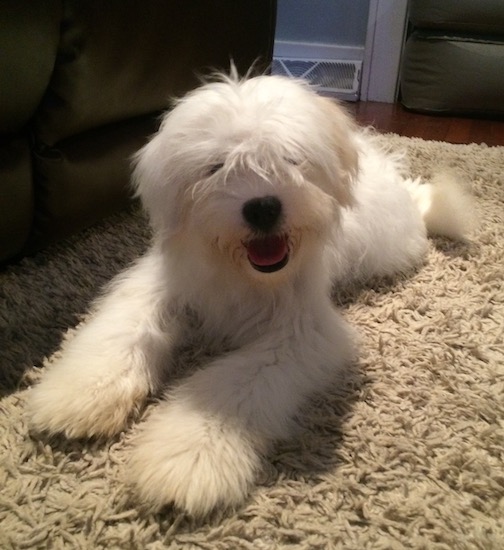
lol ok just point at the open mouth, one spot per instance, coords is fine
(268, 254)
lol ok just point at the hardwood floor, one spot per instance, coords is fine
(387, 117)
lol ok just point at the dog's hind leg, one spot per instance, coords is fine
(102, 374)
(202, 447)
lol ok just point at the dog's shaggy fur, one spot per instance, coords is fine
(262, 195)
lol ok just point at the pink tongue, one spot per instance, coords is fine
(267, 251)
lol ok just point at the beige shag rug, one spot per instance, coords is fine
(409, 453)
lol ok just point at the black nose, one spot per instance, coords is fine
(262, 213)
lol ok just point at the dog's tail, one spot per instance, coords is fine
(446, 205)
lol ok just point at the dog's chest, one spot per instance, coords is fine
(224, 325)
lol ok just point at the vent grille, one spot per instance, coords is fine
(341, 78)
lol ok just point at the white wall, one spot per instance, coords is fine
(319, 31)
(370, 31)
(323, 21)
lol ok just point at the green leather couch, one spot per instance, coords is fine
(453, 60)
(82, 83)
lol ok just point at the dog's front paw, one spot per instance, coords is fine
(196, 462)
(83, 400)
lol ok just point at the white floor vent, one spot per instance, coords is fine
(332, 77)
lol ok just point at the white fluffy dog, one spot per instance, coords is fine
(262, 195)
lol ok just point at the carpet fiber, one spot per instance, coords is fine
(407, 453)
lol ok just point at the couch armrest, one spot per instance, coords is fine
(125, 58)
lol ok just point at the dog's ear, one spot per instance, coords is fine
(155, 184)
(343, 166)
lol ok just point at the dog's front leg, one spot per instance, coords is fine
(202, 447)
(115, 358)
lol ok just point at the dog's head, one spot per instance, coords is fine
(250, 172)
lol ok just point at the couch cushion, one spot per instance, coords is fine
(82, 179)
(452, 74)
(473, 16)
(29, 37)
(16, 195)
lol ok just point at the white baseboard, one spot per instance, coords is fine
(315, 50)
